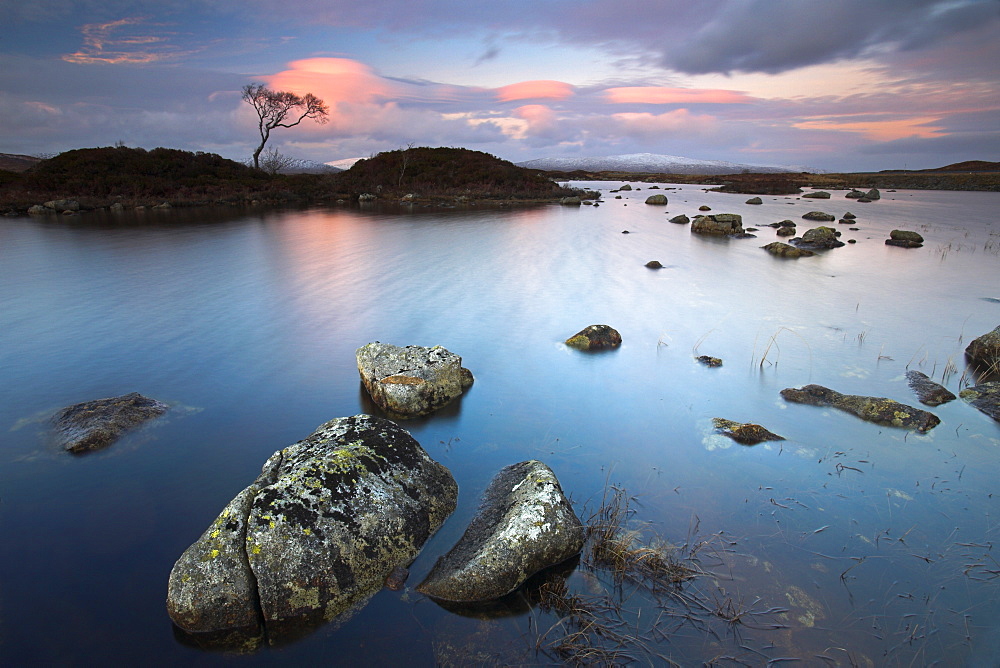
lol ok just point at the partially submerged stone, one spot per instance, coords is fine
(754, 200)
(786, 250)
(819, 238)
(413, 380)
(819, 215)
(904, 239)
(746, 433)
(524, 524)
(985, 397)
(654, 264)
(317, 533)
(718, 224)
(595, 337)
(984, 351)
(657, 199)
(819, 194)
(708, 360)
(928, 392)
(879, 410)
(680, 219)
(92, 425)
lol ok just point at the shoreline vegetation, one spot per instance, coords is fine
(121, 178)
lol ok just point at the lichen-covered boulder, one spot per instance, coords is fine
(819, 216)
(904, 239)
(984, 351)
(314, 536)
(594, 337)
(413, 380)
(92, 425)
(873, 409)
(657, 199)
(928, 392)
(746, 433)
(819, 238)
(720, 223)
(524, 524)
(985, 397)
(786, 250)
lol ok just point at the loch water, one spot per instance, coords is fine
(846, 544)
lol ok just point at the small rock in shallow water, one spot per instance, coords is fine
(928, 392)
(746, 433)
(92, 425)
(595, 336)
(709, 361)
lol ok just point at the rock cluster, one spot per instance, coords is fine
(411, 381)
(524, 524)
(315, 534)
(92, 425)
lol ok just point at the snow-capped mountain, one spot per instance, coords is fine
(647, 163)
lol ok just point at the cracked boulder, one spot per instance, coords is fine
(313, 537)
(411, 381)
(872, 409)
(524, 524)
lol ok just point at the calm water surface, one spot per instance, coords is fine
(865, 544)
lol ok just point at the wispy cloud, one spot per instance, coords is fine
(125, 41)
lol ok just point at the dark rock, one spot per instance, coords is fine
(872, 194)
(929, 392)
(855, 194)
(849, 216)
(873, 409)
(63, 205)
(819, 215)
(626, 231)
(820, 194)
(316, 534)
(746, 433)
(786, 232)
(905, 238)
(720, 224)
(704, 207)
(654, 264)
(92, 425)
(680, 220)
(396, 579)
(785, 250)
(754, 200)
(864, 200)
(784, 223)
(902, 243)
(984, 351)
(819, 238)
(411, 381)
(571, 201)
(709, 361)
(626, 187)
(524, 524)
(657, 199)
(594, 337)
(985, 397)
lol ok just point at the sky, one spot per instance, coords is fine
(834, 85)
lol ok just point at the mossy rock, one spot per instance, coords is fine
(595, 337)
(879, 410)
(746, 433)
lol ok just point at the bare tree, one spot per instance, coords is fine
(281, 109)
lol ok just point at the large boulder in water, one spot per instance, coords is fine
(720, 223)
(595, 337)
(92, 425)
(819, 216)
(819, 238)
(985, 397)
(984, 351)
(873, 409)
(929, 392)
(905, 239)
(524, 524)
(411, 381)
(313, 536)
(657, 199)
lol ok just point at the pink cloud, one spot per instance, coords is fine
(664, 95)
(334, 80)
(542, 89)
(879, 130)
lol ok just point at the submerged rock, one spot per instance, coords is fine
(657, 199)
(984, 351)
(819, 215)
(985, 397)
(785, 250)
(92, 425)
(523, 525)
(720, 223)
(879, 410)
(708, 360)
(595, 336)
(318, 532)
(928, 392)
(411, 381)
(746, 433)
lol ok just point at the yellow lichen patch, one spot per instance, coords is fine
(213, 554)
(400, 379)
(303, 597)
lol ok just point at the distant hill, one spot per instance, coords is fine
(445, 172)
(13, 162)
(968, 166)
(646, 163)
